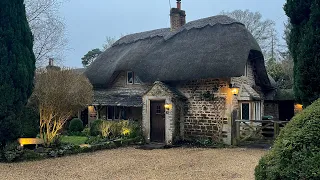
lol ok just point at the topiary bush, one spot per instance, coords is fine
(76, 125)
(296, 152)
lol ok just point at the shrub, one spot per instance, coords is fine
(76, 125)
(11, 152)
(95, 127)
(86, 131)
(296, 151)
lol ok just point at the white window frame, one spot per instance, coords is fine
(256, 107)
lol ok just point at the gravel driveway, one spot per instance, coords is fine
(131, 163)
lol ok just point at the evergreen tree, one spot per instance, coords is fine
(17, 66)
(304, 46)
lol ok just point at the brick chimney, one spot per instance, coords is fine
(50, 61)
(177, 17)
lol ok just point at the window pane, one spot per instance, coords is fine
(123, 114)
(245, 111)
(117, 113)
(110, 112)
(130, 77)
(137, 80)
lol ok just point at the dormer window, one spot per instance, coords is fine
(132, 78)
(129, 77)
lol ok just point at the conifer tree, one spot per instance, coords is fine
(304, 46)
(17, 66)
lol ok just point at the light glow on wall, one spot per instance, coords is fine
(168, 107)
(235, 91)
(27, 141)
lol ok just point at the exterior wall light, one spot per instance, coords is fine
(234, 89)
(168, 107)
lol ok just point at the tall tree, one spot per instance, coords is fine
(48, 29)
(88, 58)
(17, 66)
(304, 46)
(262, 30)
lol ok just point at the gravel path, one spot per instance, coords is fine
(131, 163)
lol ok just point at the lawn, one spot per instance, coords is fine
(76, 140)
(131, 163)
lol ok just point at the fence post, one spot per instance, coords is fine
(276, 130)
(235, 128)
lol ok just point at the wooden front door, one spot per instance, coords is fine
(157, 121)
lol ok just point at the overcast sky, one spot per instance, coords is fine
(90, 21)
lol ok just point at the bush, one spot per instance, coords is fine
(95, 128)
(76, 125)
(11, 152)
(86, 131)
(296, 152)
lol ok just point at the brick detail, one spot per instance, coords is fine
(177, 18)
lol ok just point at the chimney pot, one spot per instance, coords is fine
(50, 61)
(179, 4)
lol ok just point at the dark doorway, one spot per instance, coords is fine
(84, 116)
(157, 121)
(286, 110)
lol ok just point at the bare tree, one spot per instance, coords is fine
(262, 30)
(58, 95)
(109, 42)
(48, 29)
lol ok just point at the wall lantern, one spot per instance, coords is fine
(234, 89)
(168, 107)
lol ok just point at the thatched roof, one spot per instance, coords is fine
(214, 47)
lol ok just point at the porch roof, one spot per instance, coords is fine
(107, 98)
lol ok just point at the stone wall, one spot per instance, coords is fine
(206, 108)
(271, 109)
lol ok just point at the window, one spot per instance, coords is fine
(257, 110)
(110, 112)
(245, 111)
(132, 78)
(251, 110)
(158, 110)
(116, 113)
(129, 77)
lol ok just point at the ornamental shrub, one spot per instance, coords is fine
(296, 152)
(76, 125)
(95, 129)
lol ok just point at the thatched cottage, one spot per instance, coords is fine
(188, 81)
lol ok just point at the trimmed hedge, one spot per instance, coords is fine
(296, 152)
(76, 125)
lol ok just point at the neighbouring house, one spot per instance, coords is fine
(191, 80)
